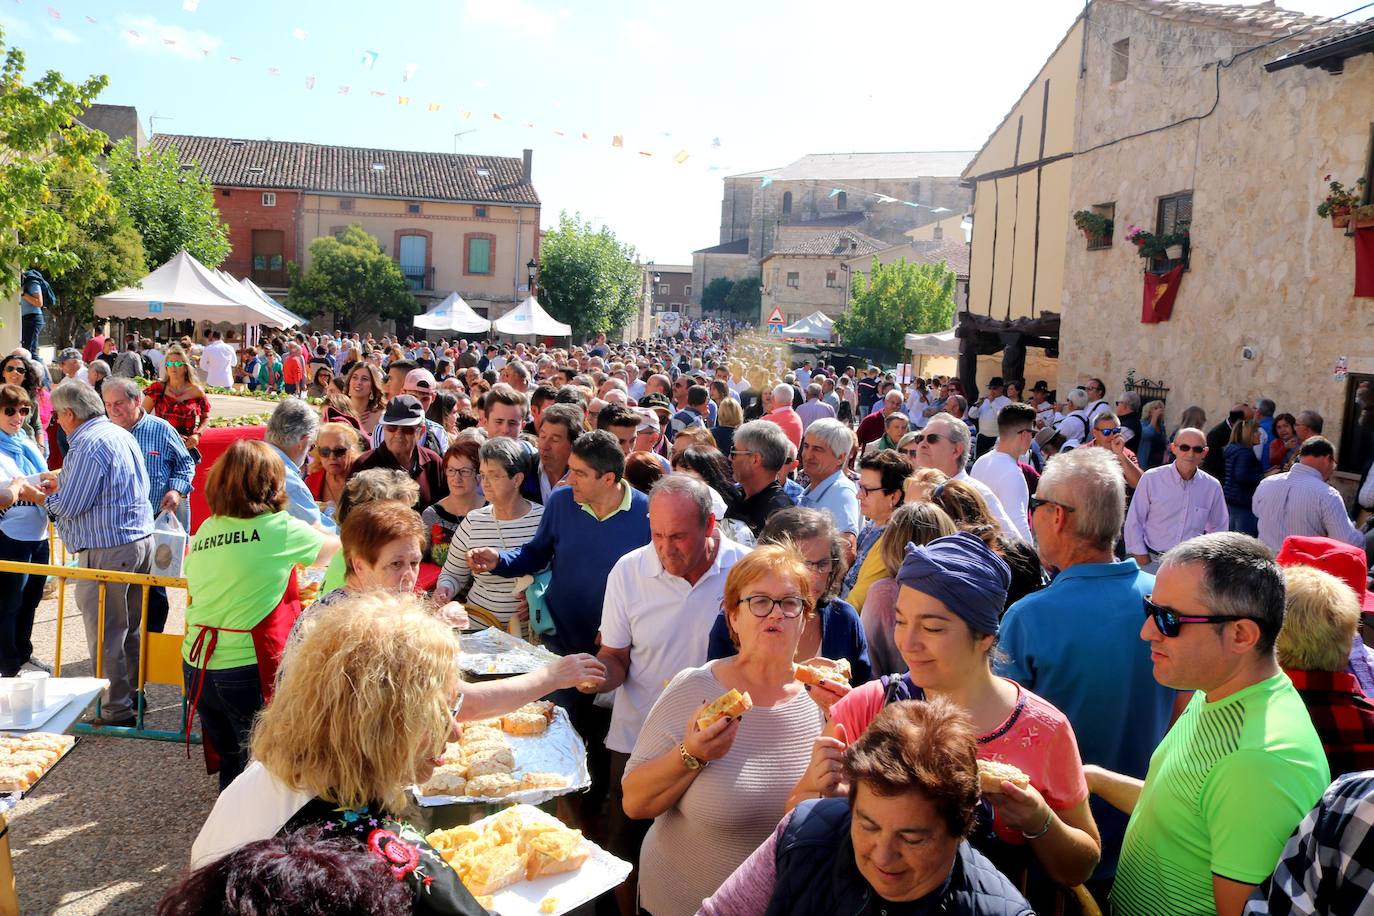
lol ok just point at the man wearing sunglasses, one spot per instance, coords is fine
(1107, 434)
(1174, 502)
(1243, 763)
(943, 445)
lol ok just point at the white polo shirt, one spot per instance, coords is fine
(665, 622)
(1000, 472)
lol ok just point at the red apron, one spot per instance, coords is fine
(269, 641)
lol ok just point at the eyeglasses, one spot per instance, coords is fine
(1199, 449)
(1036, 502)
(326, 452)
(762, 605)
(909, 452)
(22, 411)
(488, 479)
(741, 451)
(825, 564)
(15, 368)
(1109, 431)
(461, 473)
(175, 364)
(932, 438)
(869, 490)
(1169, 621)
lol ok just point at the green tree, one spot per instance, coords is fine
(714, 295)
(894, 300)
(745, 298)
(173, 208)
(351, 277)
(108, 250)
(39, 135)
(587, 277)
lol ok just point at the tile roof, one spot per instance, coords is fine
(861, 166)
(1264, 21)
(846, 243)
(351, 170)
(738, 246)
(1357, 38)
(955, 254)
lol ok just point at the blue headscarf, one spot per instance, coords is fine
(22, 451)
(964, 574)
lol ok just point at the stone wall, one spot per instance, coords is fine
(1265, 273)
(810, 294)
(707, 267)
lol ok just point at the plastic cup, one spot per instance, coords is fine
(21, 702)
(39, 680)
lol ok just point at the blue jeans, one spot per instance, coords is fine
(29, 328)
(1243, 520)
(229, 700)
(19, 597)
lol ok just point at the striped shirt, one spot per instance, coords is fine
(481, 529)
(168, 463)
(1301, 502)
(102, 500)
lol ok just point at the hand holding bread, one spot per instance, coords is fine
(1020, 804)
(713, 741)
(826, 681)
(583, 671)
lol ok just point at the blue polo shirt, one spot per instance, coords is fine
(1077, 644)
(840, 496)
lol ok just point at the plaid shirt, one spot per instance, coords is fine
(1328, 864)
(1342, 715)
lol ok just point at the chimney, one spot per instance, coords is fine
(529, 166)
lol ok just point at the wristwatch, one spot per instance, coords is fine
(690, 762)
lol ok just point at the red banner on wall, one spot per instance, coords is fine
(1364, 262)
(1157, 304)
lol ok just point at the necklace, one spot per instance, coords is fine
(500, 531)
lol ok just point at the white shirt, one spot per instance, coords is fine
(217, 362)
(665, 622)
(995, 507)
(986, 414)
(1003, 476)
(255, 806)
(1301, 502)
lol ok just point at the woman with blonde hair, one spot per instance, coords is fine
(177, 399)
(368, 698)
(1151, 450)
(729, 417)
(913, 523)
(717, 790)
(335, 448)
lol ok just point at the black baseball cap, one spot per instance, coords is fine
(403, 410)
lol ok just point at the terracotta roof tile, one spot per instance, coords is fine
(954, 254)
(1264, 21)
(354, 170)
(847, 243)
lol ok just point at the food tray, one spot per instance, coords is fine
(600, 873)
(9, 799)
(494, 651)
(558, 750)
(40, 716)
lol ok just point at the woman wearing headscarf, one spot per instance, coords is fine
(947, 616)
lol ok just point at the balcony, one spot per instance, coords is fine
(277, 279)
(418, 278)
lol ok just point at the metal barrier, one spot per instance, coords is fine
(159, 654)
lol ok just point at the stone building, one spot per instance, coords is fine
(460, 223)
(728, 260)
(812, 275)
(952, 254)
(1201, 112)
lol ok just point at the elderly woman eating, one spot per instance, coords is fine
(947, 616)
(717, 788)
(897, 843)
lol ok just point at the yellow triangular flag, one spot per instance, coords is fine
(495, 116)
(433, 106)
(617, 141)
(466, 115)
(681, 157)
(402, 100)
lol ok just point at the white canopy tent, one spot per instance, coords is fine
(453, 314)
(240, 290)
(261, 294)
(182, 289)
(529, 318)
(943, 343)
(816, 326)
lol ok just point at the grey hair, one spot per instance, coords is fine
(958, 431)
(1311, 419)
(506, 452)
(1239, 579)
(961, 401)
(125, 386)
(766, 438)
(1131, 398)
(98, 366)
(1265, 407)
(519, 369)
(836, 436)
(291, 421)
(814, 390)
(1089, 480)
(1078, 398)
(78, 397)
(790, 527)
(783, 392)
(688, 487)
(377, 484)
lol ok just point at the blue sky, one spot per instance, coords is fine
(737, 86)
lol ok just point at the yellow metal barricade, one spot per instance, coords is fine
(159, 656)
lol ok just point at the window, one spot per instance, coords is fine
(793, 317)
(1175, 212)
(832, 279)
(841, 201)
(479, 212)
(413, 254)
(1098, 243)
(224, 193)
(1357, 428)
(1121, 59)
(786, 203)
(674, 306)
(688, 291)
(269, 199)
(412, 208)
(337, 231)
(664, 289)
(479, 255)
(345, 203)
(269, 255)
(794, 279)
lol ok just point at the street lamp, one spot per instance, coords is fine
(533, 268)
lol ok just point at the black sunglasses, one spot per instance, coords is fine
(932, 438)
(22, 411)
(1190, 448)
(1169, 621)
(327, 452)
(1036, 502)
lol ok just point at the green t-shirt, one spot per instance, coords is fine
(334, 574)
(236, 573)
(1225, 789)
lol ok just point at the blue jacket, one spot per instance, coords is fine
(842, 636)
(817, 876)
(1243, 474)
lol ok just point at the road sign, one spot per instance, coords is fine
(776, 317)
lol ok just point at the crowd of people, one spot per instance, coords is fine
(1151, 634)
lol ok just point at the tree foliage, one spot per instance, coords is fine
(714, 295)
(351, 277)
(588, 278)
(894, 300)
(745, 298)
(39, 135)
(108, 250)
(173, 208)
